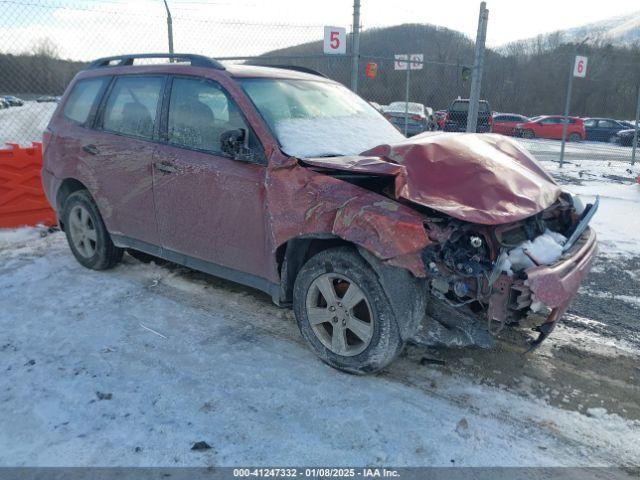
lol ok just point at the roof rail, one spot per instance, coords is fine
(123, 60)
(297, 68)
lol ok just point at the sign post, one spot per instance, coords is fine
(578, 69)
(408, 62)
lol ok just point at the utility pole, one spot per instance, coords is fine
(355, 46)
(478, 65)
(567, 105)
(635, 133)
(169, 30)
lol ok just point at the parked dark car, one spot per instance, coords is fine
(458, 112)
(417, 121)
(3, 104)
(47, 99)
(506, 123)
(13, 101)
(603, 129)
(291, 184)
(625, 137)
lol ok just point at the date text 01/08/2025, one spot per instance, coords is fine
(316, 472)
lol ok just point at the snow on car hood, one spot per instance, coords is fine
(479, 178)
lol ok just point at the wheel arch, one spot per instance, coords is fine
(406, 292)
(292, 255)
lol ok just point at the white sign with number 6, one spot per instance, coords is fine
(335, 40)
(580, 67)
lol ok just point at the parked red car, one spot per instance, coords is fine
(441, 115)
(291, 184)
(550, 126)
(506, 123)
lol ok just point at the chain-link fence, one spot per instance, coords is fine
(44, 43)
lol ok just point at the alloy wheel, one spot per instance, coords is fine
(339, 314)
(82, 231)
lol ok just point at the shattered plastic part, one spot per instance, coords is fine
(545, 249)
(556, 285)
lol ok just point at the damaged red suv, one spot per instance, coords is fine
(287, 182)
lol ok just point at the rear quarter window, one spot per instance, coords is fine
(83, 98)
(132, 106)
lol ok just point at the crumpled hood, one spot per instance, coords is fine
(479, 178)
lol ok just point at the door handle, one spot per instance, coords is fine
(166, 168)
(91, 149)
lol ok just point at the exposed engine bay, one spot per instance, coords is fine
(477, 273)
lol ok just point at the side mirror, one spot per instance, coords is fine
(235, 143)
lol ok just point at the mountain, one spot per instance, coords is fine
(623, 30)
(620, 30)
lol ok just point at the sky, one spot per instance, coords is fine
(84, 29)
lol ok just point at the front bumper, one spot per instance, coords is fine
(557, 284)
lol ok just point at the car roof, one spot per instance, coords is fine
(236, 71)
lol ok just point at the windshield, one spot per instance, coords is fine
(315, 118)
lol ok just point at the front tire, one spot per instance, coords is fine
(344, 314)
(86, 233)
(575, 137)
(528, 134)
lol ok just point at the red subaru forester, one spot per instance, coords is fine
(286, 181)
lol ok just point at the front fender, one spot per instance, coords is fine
(304, 202)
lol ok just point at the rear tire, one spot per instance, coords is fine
(529, 134)
(344, 314)
(575, 137)
(86, 233)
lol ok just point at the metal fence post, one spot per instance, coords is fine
(635, 133)
(169, 29)
(567, 107)
(355, 46)
(406, 97)
(478, 64)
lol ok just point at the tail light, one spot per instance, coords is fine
(447, 117)
(417, 118)
(490, 120)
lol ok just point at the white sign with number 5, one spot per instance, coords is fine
(580, 67)
(335, 40)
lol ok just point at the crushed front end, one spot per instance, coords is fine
(484, 278)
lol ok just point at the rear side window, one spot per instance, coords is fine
(132, 106)
(83, 98)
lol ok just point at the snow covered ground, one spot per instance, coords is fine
(133, 366)
(25, 124)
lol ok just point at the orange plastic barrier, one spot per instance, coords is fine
(22, 201)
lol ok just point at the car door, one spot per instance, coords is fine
(546, 128)
(607, 130)
(591, 129)
(210, 206)
(122, 148)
